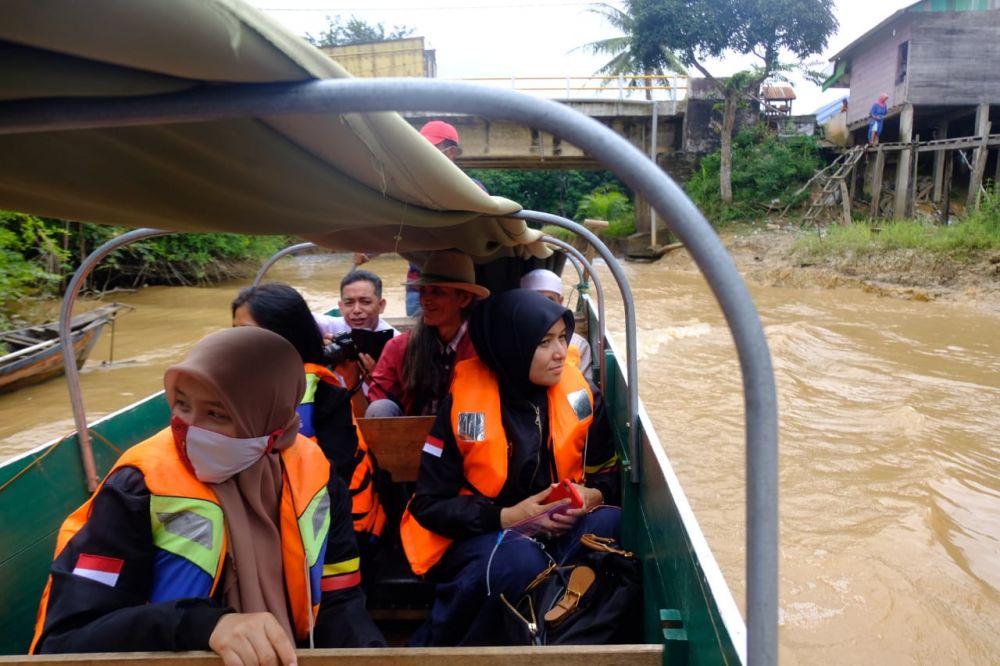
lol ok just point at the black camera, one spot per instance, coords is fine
(341, 348)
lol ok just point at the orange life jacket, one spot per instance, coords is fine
(304, 525)
(573, 355)
(478, 429)
(366, 509)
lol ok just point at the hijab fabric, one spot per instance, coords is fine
(506, 330)
(258, 376)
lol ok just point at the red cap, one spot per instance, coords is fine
(437, 131)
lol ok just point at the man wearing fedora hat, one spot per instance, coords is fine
(415, 368)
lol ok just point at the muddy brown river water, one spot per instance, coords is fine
(890, 461)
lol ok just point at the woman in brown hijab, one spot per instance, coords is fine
(225, 531)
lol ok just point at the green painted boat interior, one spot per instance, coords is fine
(683, 609)
(37, 491)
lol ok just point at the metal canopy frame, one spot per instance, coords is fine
(627, 162)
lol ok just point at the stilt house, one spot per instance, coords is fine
(939, 62)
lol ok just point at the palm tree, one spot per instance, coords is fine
(622, 49)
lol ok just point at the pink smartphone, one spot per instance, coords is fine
(565, 490)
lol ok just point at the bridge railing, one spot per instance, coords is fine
(622, 87)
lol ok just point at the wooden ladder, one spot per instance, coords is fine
(842, 167)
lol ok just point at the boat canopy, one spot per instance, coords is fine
(345, 181)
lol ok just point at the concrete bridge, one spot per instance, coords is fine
(490, 144)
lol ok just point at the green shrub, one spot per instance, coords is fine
(612, 205)
(766, 169)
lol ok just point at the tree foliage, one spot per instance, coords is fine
(625, 59)
(38, 255)
(609, 204)
(550, 191)
(765, 30)
(340, 32)
(766, 170)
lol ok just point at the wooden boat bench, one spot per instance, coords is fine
(556, 655)
(394, 591)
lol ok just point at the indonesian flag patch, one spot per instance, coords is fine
(102, 569)
(433, 446)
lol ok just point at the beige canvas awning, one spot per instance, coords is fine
(347, 181)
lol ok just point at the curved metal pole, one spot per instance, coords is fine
(291, 249)
(579, 270)
(69, 354)
(631, 166)
(631, 363)
(579, 257)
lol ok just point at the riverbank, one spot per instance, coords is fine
(773, 256)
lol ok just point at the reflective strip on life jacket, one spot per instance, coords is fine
(477, 424)
(188, 527)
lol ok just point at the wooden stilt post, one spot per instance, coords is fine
(941, 132)
(877, 182)
(911, 195)
(996, 176)
(845, 202)
(903, 165)
(949, 164)
(979, 156)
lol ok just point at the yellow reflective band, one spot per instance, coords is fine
(314, 524)
(187, 527)
(607, 464)
(312, 381)
(339, 568)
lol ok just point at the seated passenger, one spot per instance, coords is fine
(517, 420)
(325, 409)
(414, 371)
(361, 305)
(225, 531)
(549, 285)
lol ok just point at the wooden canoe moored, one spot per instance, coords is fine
(34, 353)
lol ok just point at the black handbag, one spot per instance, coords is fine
(596, 600)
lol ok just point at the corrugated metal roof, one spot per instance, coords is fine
(778, 92)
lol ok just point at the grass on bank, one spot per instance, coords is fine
(979, 232)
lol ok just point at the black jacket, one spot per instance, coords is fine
(87, 616)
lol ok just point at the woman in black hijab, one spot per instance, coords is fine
(518, 420)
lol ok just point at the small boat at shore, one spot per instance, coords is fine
(33, 354)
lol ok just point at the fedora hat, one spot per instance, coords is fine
(449, 268)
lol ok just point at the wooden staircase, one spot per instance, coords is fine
(834, 190)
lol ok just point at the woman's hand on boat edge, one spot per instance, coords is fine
(249, 639)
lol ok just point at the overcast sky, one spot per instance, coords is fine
(521, 38)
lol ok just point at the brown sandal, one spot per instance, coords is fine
(580, 580)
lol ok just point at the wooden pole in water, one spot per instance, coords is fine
(877, 182)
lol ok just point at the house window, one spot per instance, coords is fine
(901, 62)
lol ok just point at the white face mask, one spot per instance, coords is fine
(216, 457)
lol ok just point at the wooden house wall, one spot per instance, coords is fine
(873, 70)
(955, 58)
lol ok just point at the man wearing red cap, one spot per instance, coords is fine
(443, 136)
